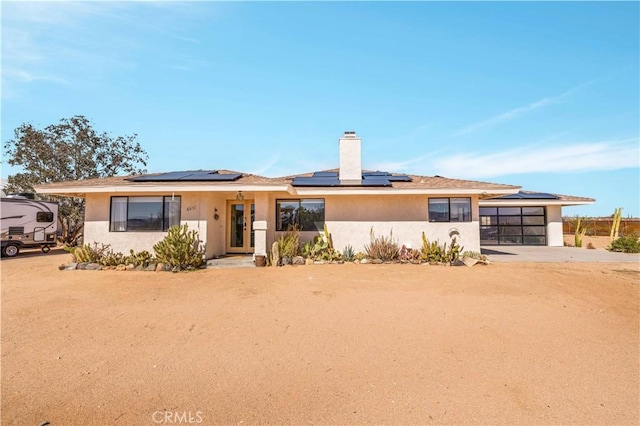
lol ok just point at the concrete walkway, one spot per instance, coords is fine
(232, 261)
(554, 254)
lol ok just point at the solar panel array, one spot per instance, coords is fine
(189, 176)
(531, 196)
(331, 179)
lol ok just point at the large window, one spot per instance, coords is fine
(132, 214)
(449, 209)
(513, 225)
(307, 214)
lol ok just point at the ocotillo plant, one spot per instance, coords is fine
(615, 226)
(580, 233)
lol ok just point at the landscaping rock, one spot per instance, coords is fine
(130, 267)
(160, 267)
(82, 266)
(298, 260)
(376, 261)
(318, 262)
(469, 261)
(151, 267)
(71, 266)
(309, 261)
(93, 267)
(62, 267)
(121, 267)
(364, 261)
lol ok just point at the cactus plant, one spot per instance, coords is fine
(579, 234)
(180, 248)
(615, 226)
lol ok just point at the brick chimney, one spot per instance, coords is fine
(350, 158)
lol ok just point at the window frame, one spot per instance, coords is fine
(279, 227)
(435, 220)
(48, 217)
(163, 220)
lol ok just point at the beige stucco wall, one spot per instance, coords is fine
(349, 219)
(554, 226)
(96, 227)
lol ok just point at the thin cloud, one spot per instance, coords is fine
(516, 112)
(578, 157)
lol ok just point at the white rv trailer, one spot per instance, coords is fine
(27, 223)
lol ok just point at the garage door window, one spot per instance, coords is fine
(513, 225)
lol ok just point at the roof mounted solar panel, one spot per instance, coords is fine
(399, 178)
(366, 174)
(189, 176)
(315, 181)
(531, 196)
(331, 179)
(325, 174)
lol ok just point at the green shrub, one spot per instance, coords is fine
(626, 244)
(181, 249)
(382, 248)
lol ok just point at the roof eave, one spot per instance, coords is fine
(75, 190)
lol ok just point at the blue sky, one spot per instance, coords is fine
(542, 95)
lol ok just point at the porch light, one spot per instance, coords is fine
(240, 197)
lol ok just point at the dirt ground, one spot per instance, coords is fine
(598, 242)
(322, 344)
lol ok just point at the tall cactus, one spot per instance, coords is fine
(580, 233)
(615, 226)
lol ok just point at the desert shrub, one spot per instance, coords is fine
(87, 253)
(629, 243)
(348, 254)
(382, 248)
(180, 248)
(289, 243)
(359, 256)
(143, 258)
(408, 255)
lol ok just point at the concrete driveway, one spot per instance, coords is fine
(554, 254)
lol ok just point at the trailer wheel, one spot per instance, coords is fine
(46, 249)
(10, 250)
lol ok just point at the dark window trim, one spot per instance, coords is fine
(164, 197)
(449, 210)
(299, 200)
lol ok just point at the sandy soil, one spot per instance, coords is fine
(598, 242)
(322, 344)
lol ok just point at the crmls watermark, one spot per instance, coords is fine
(176, 417)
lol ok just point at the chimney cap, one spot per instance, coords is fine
(349, 134)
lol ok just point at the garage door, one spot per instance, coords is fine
(513, 225)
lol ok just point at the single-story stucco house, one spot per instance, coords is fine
(236, 212)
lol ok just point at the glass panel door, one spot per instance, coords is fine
(240, 233)
(236, 239)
